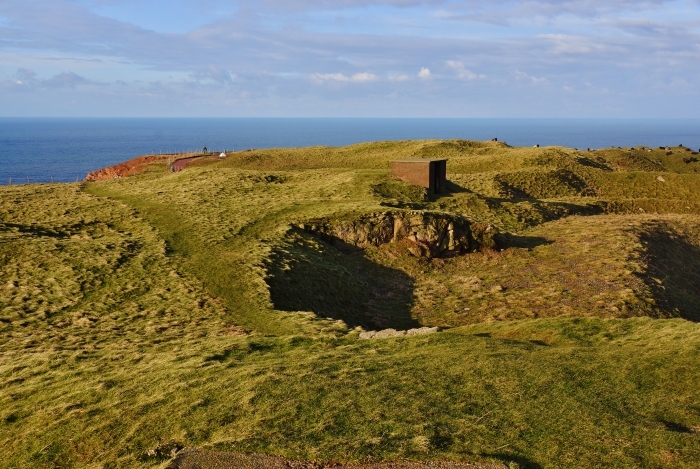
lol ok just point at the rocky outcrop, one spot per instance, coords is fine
(140, 164)
(127, 168)
(428, 234)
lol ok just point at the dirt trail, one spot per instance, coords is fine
(180, 164)
(192, 458)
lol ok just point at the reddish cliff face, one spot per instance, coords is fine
(127, 168)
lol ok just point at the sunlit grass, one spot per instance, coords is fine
(190, 308)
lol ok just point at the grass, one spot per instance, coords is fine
(189, 308)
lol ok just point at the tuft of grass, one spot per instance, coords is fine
(399, 193)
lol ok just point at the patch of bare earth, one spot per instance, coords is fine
(192, 458)
(127, 168)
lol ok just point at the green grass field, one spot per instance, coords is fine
(189, 308)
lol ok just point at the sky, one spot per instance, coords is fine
(350, 58)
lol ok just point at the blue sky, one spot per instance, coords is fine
(365, 58)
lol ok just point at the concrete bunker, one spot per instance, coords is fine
(428, 173)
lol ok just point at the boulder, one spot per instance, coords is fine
(389, 333)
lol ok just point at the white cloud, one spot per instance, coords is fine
(635, 51)
(215, 73)
(65, 80)
(363, 77)
(398, 78)
(522, 76)
(25, 77)
(567, 44)
(462, 72)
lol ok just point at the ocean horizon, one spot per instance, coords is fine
(65, 149)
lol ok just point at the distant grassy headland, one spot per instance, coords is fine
(198, 308)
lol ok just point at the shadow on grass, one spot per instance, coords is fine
(404, 205)
(509, 240)
(673, 271)
(415, 198)
(307, 274)
(454, 188)
(594, 164)
(41, 231)
(677, 427)
(522, 462)
(537, 212)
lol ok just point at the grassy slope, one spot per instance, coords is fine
(112, 340)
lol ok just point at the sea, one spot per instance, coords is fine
(40, 150)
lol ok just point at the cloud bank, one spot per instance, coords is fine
(535, 58)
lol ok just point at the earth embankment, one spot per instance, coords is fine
(127, 168)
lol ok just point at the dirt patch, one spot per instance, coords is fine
(192, 458)
(127, 168)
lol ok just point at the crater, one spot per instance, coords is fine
(306, 273)
(322, 266)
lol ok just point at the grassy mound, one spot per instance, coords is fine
(166, 310)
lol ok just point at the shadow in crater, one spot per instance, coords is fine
(509, 240)
(673, 271)
(308, 274)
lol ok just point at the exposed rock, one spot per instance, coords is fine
(421, 331)
(138, 165)
(660, 179)
(127, 168)
(165, 450)
(430, 234)
(388, 333)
